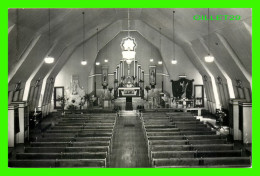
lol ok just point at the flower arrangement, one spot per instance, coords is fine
(73, 102)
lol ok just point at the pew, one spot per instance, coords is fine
(81, 155)
(78, 130)
(66, 149)
(72, 144)
(196, 154)
(207, 162)
(181, 140)
(82, 140)
(82, 127)
(62, 163)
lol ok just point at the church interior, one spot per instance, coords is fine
(130, 88)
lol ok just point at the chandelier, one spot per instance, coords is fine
(128, 46)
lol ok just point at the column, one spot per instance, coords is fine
(21, 113)
(237, 135)
(245, 115)
(11, 126)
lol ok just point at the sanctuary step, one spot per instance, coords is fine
(124, 113)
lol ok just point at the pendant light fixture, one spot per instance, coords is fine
(209, 58)
(160, 62)
(128, 45)
(83, 62)
(151, 58)
(97, 63)
(174, 61)
(49, 59)
(97, 41)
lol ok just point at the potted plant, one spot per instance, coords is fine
(62, 101)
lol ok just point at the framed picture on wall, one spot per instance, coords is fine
(198, 96)
(152, 76)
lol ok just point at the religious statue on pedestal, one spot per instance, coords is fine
(74, 87)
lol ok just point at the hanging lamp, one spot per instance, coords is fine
(209, 57)
(49, 59)
(174, 61)
(160, 62)
(128, 45)
(83, 62)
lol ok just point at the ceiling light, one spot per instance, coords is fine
(209, 58)
(160, 62)
(105, 60)
(151, 60)
(49, 60)
(128, 46)
(174, 61)
(97, 63)
(84, 62)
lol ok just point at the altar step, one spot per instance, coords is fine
(127, 113)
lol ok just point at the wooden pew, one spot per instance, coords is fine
(174, 133)
(63, 163)
(86, 123)
(79, 130)
(202, 147)
(71, 144)
(66, 149)
(162, 129)
(196, 154)
(206, 162)
(82, 127)
(81, 155)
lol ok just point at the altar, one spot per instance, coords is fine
(129, 92)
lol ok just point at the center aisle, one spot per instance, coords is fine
(129, 148)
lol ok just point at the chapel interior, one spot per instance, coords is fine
(130, 88)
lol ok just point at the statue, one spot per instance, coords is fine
(74, 87)
(184, 87)
(104, 78)
(152, 77)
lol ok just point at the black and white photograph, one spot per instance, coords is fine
(129, 88)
